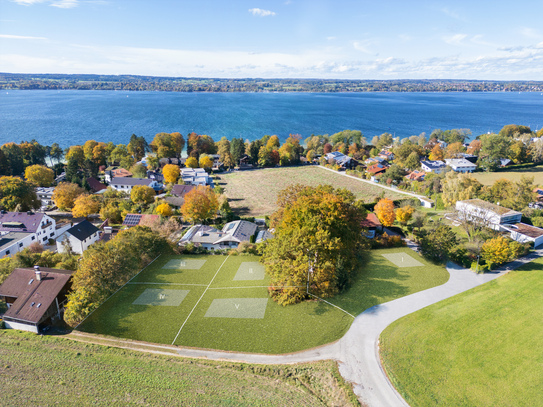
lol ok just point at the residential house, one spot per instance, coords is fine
(95, 185)
(45, 195)
(386, 155)
(78, 238)
(342, 161)
(487, 214)
(126, 184)
(426, 202)
(35, 297)
(196, 176)
(461, 165)
(524, 233)
(376, 169)
(504, 162)
(376, 160)
(416, 176)
(433, 166)
(470, 157)
(39, 225)
(372, 224)
(539, 193)
(113, 172)
(13, 242)
(263, 235)
(229, 237)
(177, 195)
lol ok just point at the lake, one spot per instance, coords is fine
(72, 117)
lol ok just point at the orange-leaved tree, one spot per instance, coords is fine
(65, 194)
(164, 209)
(85, 205)
(437, 153)
(171, 173)
(385, 211)
(201, 203)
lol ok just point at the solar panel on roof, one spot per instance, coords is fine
(132, 220)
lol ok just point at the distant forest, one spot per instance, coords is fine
(171, 84)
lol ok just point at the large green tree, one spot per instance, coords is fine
(318, 235)
(17, 195)
(168, 145)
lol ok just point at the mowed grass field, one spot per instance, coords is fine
(48, 371)
(221, 310)
(254, 193)
(488, 178)
(483, 347)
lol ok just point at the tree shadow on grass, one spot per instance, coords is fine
(321, 308)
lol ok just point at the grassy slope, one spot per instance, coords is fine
(488, 178)
(254, 193)
(52, 371)
(480, 348)
(283, 330)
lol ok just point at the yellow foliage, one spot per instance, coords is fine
(85, 205)
(206, 161)
(436, 153)
(65, 195)
(40, 175)
(385, 212)
(171, 173)
(201, 203)
(404, 214)
(164, 209)
(496, 251)
(191, 162)
(142, 194)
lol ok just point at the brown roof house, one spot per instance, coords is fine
(372, 224)
(35, 297)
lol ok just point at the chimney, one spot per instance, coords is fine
(38, 273)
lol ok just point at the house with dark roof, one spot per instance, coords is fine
(78, 238)
(39, 225)
(126, 184)
(137, 219)
(95, 185)
(433, 166)
(35, 297)
(177, 194)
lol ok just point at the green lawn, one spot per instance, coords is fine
(479, 348)
(46, 371)
(488, 178)
(270, 328)
(254, 193)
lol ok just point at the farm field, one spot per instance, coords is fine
(71, 373)
(488, 178)
(254, 193)
(219, 302)
(478, 348)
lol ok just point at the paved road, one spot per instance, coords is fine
(358, 351)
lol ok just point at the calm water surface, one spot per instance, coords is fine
(72, 117)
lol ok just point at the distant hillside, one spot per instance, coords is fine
(172, 84)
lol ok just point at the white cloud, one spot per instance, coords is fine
(530, 33)
(27, 2)
(455, 39)
(65, 3)
(21, 37)
(452, 14)
(362, 46)
(260, 12)
(330, 38)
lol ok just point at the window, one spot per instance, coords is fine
(7, 252)
(45, 239)
(20, 245)
(52, 234)
(33, 237)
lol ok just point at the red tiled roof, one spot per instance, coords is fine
(371, 221)
(376, 169)
(121, 172)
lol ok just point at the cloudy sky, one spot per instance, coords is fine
(351, 39)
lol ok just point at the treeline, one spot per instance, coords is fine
(181, 84)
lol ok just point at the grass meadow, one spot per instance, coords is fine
(47, 370)
(271, 328)
(254, 193)
(479, 348)
(488, 178)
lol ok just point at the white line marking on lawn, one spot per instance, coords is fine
(329, 303)
(198, 285)
(219, 269)
(258, 286)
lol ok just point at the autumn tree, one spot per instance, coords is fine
(167, 145)
(65, 195)
(138, 170)
(474, 147)
(201, 203)
(225, 155)
(205, 161)
(56, 152)
(318, 234)
(164, 210)
(40, 175)
(138, 147)
(142, 194)
(496, 251)
(454, 150)
(191, 162)
(403, 214)
(88, 149)
(17, 195)
(85, 205)
(200, 144)
(459, 187)
(171, 173)
(437, 153)
(384, 209)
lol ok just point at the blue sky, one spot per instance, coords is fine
(351, 39)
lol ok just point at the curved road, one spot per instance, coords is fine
(358, 351)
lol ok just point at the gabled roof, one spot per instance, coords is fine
(20, 221)
(433, 165)
(371, 221)
(121, 173)
(95, 185)
(136, 219)
(82, 230)
(131, 181)
(376, 168)
(181, 190)
(33, 297)
(238, 231)
(416, 175)
(526, 230)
